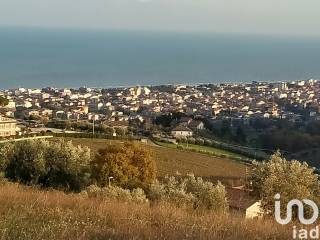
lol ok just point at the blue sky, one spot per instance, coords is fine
(294, 17)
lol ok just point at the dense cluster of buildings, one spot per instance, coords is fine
(120, 106)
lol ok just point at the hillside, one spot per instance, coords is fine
(170, 161)
(29, 213)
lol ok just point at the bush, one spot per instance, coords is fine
(129, 165)
(116, 193)
(190, 191)
(207, 142)
(191, 140)
(53, 164)
(180, 147)
(199, 141)
(171, 190)
(207, 195)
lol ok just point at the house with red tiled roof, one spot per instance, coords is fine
(242, 202)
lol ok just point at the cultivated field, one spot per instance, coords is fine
(170, 161)
(29, 213)
(207, 149)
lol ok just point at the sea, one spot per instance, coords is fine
(34, 57)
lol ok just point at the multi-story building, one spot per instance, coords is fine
(7, 127)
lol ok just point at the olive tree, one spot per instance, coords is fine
(68, 166)
(57, 163)
(190, 191)
(291, 179)
(26, 161)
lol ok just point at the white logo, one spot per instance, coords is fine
(300, 205)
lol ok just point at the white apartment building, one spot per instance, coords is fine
(7, 127)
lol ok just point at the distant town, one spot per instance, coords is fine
(235, 113)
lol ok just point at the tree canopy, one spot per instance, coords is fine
(57, 164)
(291, 179)
(129, 165)
(3, 101)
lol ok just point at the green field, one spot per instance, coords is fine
(171, 160)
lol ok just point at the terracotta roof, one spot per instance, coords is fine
(181, 128)
(240, 199)
(194, 123)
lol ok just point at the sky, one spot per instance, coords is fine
(285, 17)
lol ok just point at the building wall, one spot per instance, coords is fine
(181, 134)
(7, 127)
(254, 211)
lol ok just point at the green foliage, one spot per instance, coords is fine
(292, 179)
(199, 141)
(5, 153)
(190, 191)
(26, 161)
(67, 165)
(137, 195)
(130, 165)
(120, 131)
(54, 164)
(171, 190)
(207, 195)
(3, 101)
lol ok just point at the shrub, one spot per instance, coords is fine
(199, 141)
(180, 147)
(117, 193)
(139, 196)
(171, 190)
(207, 142)
(130, 165)
(207, 195)
(190, 191)
(53, 164)
(182, 140)
(191, 140)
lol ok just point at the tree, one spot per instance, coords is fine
(68, 166)
(57, 164)
(26, 161)
(130, 165)
(120, 131)
(3, 101)
(225, 130)
(240, 135)
(292, 179)
(5, 151)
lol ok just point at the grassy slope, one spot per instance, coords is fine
(170, 160)
(28, 213)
